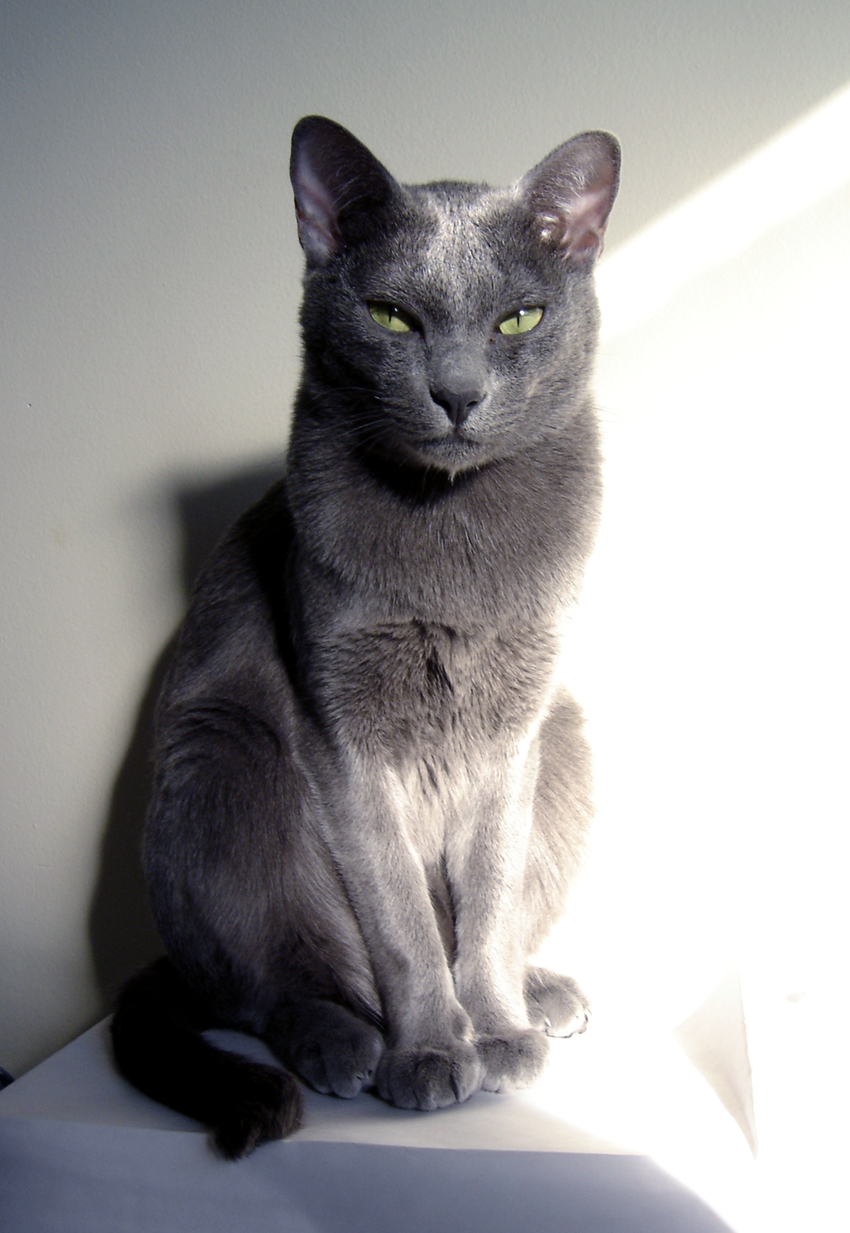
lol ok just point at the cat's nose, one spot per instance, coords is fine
(457, 404)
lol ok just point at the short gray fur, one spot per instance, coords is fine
(370, 795)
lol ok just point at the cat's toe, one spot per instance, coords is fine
(556, 1005)
(429, 1077)
(513, 1059)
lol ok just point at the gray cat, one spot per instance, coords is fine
(370, 796)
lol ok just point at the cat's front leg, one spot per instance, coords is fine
(430, 1060)
(487, 869)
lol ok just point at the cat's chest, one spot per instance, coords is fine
(410, 687)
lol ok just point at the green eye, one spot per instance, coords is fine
(520, 322)
(391, 318)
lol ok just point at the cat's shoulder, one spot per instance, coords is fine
(251, 551)
(241, 589)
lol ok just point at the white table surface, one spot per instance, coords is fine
(82, 1150)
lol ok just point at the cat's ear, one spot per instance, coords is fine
(572, 191)
(340, 187)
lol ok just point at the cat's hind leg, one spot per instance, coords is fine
(562, 812)
(327, 1045)
(555, 1003)
(556, 1006)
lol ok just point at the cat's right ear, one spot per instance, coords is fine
(339, 188)
(571, 194)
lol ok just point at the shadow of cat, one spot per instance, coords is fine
(122, 933)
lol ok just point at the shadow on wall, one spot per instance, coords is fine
(122, 932)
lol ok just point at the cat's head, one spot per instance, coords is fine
(448, 325)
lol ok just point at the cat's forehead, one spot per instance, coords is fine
(461, 218)
(466, 242)
(454, 206)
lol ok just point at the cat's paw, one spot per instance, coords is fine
(341, 1062)
(512, 1059)
(555, 1003)
(428, 1076)
(333, 1050)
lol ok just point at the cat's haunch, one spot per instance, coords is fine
(370, 791)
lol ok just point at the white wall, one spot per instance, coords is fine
(148, 293)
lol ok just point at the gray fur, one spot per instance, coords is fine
(370, 797)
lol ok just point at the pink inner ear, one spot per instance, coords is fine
(579, 227)
(316, 213)
(571, 193)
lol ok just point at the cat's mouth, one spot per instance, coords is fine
(453, 451)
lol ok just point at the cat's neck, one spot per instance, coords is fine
(505, 543)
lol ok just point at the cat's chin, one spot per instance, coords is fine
(453, 454)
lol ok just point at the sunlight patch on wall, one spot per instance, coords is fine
(797, 168)
(710, 647)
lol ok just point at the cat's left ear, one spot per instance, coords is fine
(340, 187)
(572, 191)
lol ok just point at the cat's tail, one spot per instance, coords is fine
(158, 1044)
